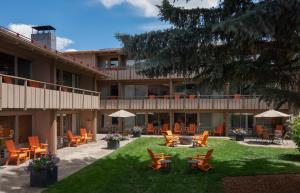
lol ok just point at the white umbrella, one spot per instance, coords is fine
(122, 114)
(271, 114)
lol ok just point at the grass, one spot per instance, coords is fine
(126, 171)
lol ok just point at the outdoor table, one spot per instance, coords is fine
(27, 150)
(192, 163)
(186, 140)
(167, 164)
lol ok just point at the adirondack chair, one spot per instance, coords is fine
(177, 128)
(36, 148)
(202, 161)
(191, 129)
(259, 131)
(16, 154)
(165, 128)
(85, 136)
(73, 140)
(219, 130)
(156, 159)
(201, 140)
(280, 128)
(150, 128)
(170, 139)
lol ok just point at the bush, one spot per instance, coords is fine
(295, 125)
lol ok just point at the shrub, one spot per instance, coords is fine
(295, 125)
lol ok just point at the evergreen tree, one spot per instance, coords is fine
(253, 43)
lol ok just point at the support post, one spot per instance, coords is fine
(94, 126)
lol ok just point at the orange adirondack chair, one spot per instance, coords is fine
(36, 148)
(85, 136)
(203, 161)
(201, 140)
(150, 128)
(16, 154)
(191, 129)
(157, 158)
(280, 127)
(165, 128)
(259, 131)
(73, 140)
(219, 130)
(177, 128)
(170, 139)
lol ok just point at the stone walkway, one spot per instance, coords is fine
(259, 143)
(14, 179)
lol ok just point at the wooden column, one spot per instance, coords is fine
(94, 125)
(53, 132)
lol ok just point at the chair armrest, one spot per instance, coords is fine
(200, 155)
(24, 149)
(43, 144)
(159, 154)
(168, 157)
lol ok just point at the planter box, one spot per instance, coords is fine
(239, 137)
(137, 134)
(113, 144)
(43, 178)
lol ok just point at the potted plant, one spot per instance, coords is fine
(113, 141)
(43, 171)
(137, 131)
(239, 134)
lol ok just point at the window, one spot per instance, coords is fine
(7, 64)
(25, 128)
(114, 62)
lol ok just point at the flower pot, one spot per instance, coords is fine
(136, 134)
(239, 137)
(113, 144)
(43, 178)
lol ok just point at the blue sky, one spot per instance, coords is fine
(86, 24)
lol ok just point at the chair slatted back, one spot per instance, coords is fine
(192, 128)
(10, 146)
(165, 127)
(177, 128)
(37, 141)
(32, 141)
(169, 132)
(70, 134)
(151, 154)
(150, 127)
(205, 133)
(83, 132)
(208, 155)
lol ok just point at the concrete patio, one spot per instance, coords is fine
(16, 178)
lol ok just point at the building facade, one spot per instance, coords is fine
(167, 99)
(43, 92)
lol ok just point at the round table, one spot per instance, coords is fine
(186, 140)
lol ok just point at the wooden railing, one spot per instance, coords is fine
(131, 73)
(22, 93)
(203, 102)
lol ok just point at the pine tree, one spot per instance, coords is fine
(251, 43)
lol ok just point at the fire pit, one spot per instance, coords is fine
(186, 140)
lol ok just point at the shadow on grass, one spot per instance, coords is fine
(129, 173)
(291, 157)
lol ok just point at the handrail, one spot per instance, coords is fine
(181, 96)
(49, 84)
(30, 41)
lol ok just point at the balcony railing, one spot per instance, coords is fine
(130, 73)
(192, 102)
(22, 93)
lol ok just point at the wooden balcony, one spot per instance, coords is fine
(130, 73)
(21, 93)
(187, 103)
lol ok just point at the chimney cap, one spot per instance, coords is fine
(43, 28)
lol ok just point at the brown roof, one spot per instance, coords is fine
(6, 33)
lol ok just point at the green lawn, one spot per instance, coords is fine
(126, 171)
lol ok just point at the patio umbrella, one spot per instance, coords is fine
(122, 114)
(271, 114)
